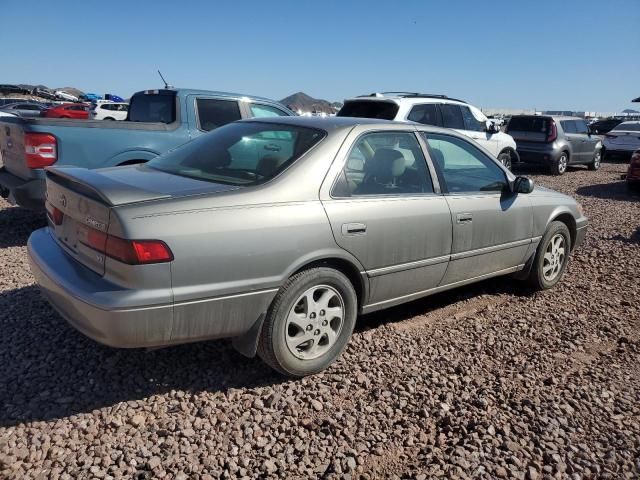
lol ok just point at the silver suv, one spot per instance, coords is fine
(437, 110)
(555, 142)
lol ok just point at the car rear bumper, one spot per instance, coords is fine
(620, 150)
(537, 155)
(26, 193)
(84, 299)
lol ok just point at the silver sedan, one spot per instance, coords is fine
(279, 232)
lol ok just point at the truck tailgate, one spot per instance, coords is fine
(12, 145)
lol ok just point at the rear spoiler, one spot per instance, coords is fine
(91, 183)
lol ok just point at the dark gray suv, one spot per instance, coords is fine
(555, 141)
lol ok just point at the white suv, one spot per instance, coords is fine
(110, 111)
(438, 110)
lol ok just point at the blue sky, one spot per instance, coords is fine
(549, 55)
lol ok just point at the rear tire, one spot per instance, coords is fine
(551, 257)
(505, 159)
(559, 166)
(595, 163)
(309, 322)
(109, 118)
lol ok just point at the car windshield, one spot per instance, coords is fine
(369, 109)
(629, 127)
(245, 153)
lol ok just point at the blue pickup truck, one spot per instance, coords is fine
(158, 120)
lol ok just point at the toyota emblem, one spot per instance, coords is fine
(63, 200)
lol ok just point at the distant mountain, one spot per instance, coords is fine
(302, 101)
(629, 110)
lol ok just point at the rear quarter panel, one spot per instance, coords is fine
(242, 254)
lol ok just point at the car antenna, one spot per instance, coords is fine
(166, 85)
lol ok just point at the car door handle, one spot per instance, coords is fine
(354, 229)
(464, 218)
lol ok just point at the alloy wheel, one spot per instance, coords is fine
(315, 322)
(562, 163)
(554, 256)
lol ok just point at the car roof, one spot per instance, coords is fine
(630, 122)
(333, 124)
(410, 98)
(193, 91)
(324, 123)
(555, 117)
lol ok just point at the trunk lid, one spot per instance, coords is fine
(623, 137)
(86, 199)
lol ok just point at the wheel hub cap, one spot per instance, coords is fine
(315, 322)
(554, 256)
(563, 163)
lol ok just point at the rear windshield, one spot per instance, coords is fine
(528, 124)
(158, 107)
(245, 153)
(369, 109)
(629, 127)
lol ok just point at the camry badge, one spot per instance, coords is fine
(95, 224)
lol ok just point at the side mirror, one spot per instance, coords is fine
(492, 127)
(523, 185)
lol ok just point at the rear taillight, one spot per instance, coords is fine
(553, 132)
(132, 252)
(40, 149)
(55, 214)
(152, 251)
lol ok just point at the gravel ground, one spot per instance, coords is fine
(487, 381)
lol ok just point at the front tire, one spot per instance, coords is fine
(505, 159)
(559, 166)
(309, 322)
(595, 163)
(551, 257)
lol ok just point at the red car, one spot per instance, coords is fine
(633, 174)
(68, 110)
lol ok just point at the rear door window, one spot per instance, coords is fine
(569, 126)
(581, 127)
(213, 113)
(369, 109)
(389, 163)
(426, 114)
(452, 116)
